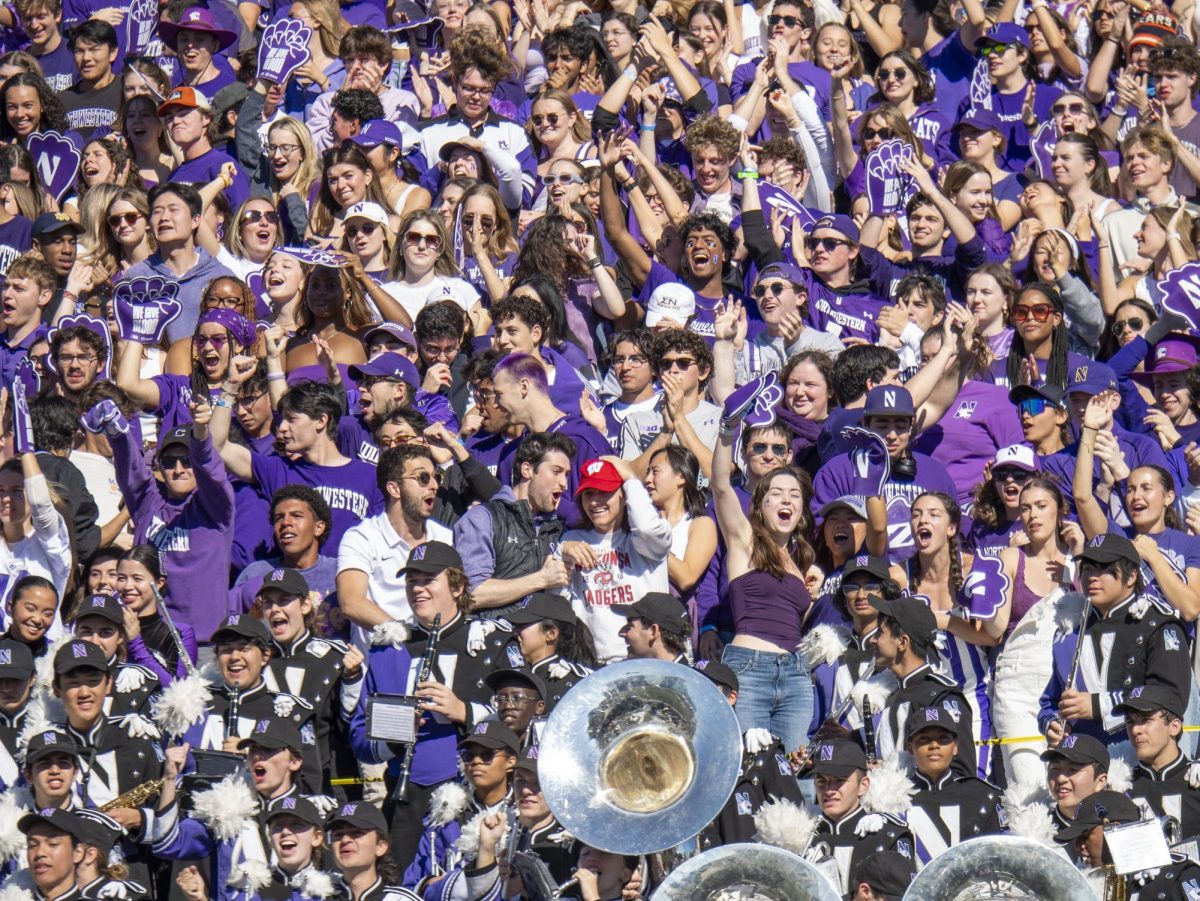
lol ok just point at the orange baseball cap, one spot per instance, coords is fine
(185, 97)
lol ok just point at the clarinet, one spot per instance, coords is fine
(165, 612)
(423, 675)
(1074, 672)
(231, 716)
(869, 732)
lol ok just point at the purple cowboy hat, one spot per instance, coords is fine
(1174, 353)
(196, 19)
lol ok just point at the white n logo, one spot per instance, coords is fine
(889, 398)
(48, 167)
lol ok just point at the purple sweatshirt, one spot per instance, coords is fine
(349, 489)
(836, 479)
(192, 535)
(979, 422)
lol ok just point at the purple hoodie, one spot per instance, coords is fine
(192, 535)
(191, 286)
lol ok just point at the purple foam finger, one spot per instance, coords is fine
(1042, 145)
(985, 589)
(98, 326)
(1180, 291)
(981, 86)
(283, 49)
(56, 160)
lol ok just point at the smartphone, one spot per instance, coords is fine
(1152, 87)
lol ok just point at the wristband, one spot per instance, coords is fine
(748, 174)
(222, 402)
(644, 127)
(276, 377)
(704, 629)
(596, 263)
(1174, 236)
(630, 72)
(629, 184)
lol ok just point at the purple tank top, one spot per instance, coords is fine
(1023, 596)
(768, 608)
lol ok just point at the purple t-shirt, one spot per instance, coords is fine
(836, 478)
(349, 489)
(58, 66)
(174, 395)
(206, 167)
(848, 313)
(1007, 108)
(474, 275)
(704, 319)
(951, 64)
(989, 541)
(487, 448)
(979, 422)
(15, 239)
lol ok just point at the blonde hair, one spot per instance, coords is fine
(232, 240)
(331, 27)
(306, 173)
(445, 260)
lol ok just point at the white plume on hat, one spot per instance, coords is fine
(181, 704)
(228, 807)
(14, 804)
(786, 825)
(1027, 812)
(18, 887)
(891, 791)
(824, 645)
(447, 802)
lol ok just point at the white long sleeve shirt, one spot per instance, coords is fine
(632, 562)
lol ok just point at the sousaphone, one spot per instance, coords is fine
(746, 872)
(1000, 868)
(639, 756)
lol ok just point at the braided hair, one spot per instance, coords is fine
(955, 516)
(1056, 366)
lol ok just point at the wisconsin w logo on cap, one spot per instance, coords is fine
(594, 467)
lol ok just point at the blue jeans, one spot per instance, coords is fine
(775, 692)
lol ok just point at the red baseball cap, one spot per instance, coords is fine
(599, 475)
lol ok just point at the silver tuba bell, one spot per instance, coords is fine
(746, 872)
(1000, 868)
(639, 756)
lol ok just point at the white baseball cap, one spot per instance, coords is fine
(670, 301)
(1017, 456)
(369, 210)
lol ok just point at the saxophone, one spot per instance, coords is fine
(135, 797)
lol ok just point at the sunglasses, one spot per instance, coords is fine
(123, 218)
(550, 119)
(759, 448)
(776, 288)
(563, 178)
(1135, 323)
(826, 244)
(1033, 406)
(786, 21)
(424, 478)
(681, 363)
(1062, 109)
(486, 755)
(367, 229)
(862, 587)
(1039, 311)
(269, 216)
(485, 222)
(899, 74)
(993, 49)
(1018, 476)
(174, 460)
(417, 239)
(884, 134)
(217, 341)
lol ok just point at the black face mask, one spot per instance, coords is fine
(904, 467)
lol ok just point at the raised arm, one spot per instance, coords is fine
(612, 213)
(238, 459)
(1091, 516)
(143, 392)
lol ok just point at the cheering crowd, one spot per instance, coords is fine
(372, 374)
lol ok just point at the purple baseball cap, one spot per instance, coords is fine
(982, 120)
(888, 400)
(782, 270)
(838, 222)
(402, 333)
(1092, 378)
(389, 365)
(1174, 353)
(379, 131)
(1004, 33)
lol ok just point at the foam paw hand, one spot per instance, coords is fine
(24, 388)
(56, 159)
(97, 326)
(985, 588)
(981, 86)
(105, 417)
(756, 740)
(144, 307)
(870, 464)
(754, 402)
(284, 49)
(140, 25)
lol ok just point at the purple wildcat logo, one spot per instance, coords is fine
(56, 160)
(1181, 293)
